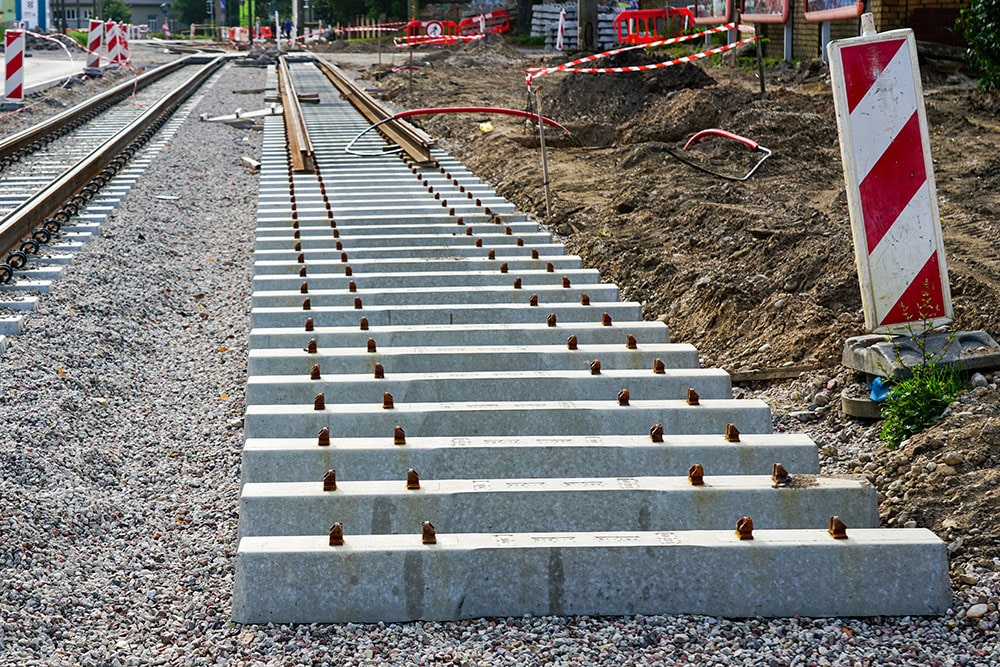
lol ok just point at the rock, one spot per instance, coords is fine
(829, 450)
(804, 415)
(978, 380)
(953, 458)
(946, 471)
(931, 466)
(822, 398)
(910, 524)
(977, 611)
(968, 579)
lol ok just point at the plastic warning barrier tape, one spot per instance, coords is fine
(535, 72)
(890, 181)
(14, 65)
(378, 27)
(428, 40)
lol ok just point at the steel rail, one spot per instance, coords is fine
(299, 145)
(36, 134)
(34, 212)
(414, 141)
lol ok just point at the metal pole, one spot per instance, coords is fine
(760, 61)
(545, 162)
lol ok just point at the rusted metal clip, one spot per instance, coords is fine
(749, 143)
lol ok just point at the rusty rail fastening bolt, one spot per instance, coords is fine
(311, 346)
(572, 342)
(324, 437)
(631, 343)
(692, 397)
(595, 367)
(352, 286)
(744, 528)
(550, 320)
(732, 433)
(838, 529)
(370, 345)
(379, 372)
(427, 533)
(337, 535)
(517, 283)
(398, 436)
(584, 299)
(364, 324)
(319, 403)
(306, 304)
(492, 254)
(623, 397)
(534, 253)
(348, 271)
(696, 475)
(503, 267)
(301, 259)
(519, 242)
(357, 303)
(310, 325)
(304, 288)
(656, 432)
(565, 282)
(468, 231)
(339, 245)
(302, 272)
(605, 320)
(298, 247)
(508, 231)
(412, 480)
(314, 373)
(659, 368)
(387, 403)
(479, 242)
(343, 257)
(330, 480)
(779, 476)
(533, 300)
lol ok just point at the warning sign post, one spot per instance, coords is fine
(891, 195)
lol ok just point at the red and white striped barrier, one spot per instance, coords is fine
(111, 40)
(891, 195)
(124, 52)
(535, 72)
(13, 87)
(94, 38)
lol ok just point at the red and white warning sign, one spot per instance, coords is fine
(890, 180)
(13, 87)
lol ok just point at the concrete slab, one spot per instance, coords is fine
(281, 264)
(546, 505)
(577, 385)
(394, 578)
(893, 356)
(507, 418)
(397, 280)
(480, 313)
(339, 361)
(464, 247)
(467, 335)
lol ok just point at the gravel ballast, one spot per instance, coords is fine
(119, 473)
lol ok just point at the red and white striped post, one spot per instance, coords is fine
(891, 196)
(94, 39)
(13, 87)
(111, 41)
(123, 50)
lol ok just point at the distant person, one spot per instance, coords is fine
(286, 29)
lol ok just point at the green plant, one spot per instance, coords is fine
(980, 25)
(918, 401)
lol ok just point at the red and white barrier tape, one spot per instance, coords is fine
(380, 27)
(535, 72)
(427, 40)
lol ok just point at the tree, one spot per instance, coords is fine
(980, 23)
(115, 10)
(338, 11)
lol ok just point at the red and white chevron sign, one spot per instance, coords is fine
(890, 181)
(95, 35)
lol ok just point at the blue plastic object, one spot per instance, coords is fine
(879, 390)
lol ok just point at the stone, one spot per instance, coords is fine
(946, 471)
(822, 398)
(977, 611)
(953, 458)
(978, 380)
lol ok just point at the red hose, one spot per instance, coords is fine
(509, 112)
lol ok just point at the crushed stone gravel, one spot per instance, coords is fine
(120, 460)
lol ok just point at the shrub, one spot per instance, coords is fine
(980, 25)
(918, 401)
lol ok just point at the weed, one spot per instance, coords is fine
(918, 401)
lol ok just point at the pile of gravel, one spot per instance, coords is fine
(119, 473)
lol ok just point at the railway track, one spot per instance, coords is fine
(51, 172)
(448, 417)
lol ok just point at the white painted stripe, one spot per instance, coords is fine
(881, 114)
(902, 252)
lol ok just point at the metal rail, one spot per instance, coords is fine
(81, 181)
(23, 141)
(299, 145)
(414, 141)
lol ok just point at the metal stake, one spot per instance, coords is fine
(545, 162)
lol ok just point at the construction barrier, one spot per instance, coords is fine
(433, 33)
(111, 42)
(642, 26)
(891, 194)
(95, 37)
(124, 52)
(14, 65)
(490, 23)
(572, 66)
